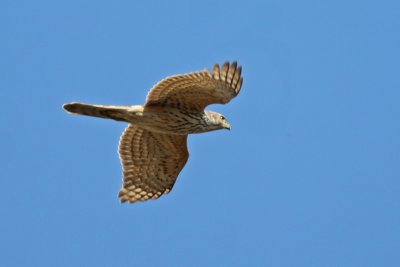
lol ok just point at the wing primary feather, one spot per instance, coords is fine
(236, 77)
(224, 71)
(231, 73)
(215, 72)
(239, 85)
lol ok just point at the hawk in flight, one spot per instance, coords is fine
(153, 147)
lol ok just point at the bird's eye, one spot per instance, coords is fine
(222, 118)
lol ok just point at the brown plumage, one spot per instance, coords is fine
(153, 147)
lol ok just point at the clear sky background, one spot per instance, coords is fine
(308, 176)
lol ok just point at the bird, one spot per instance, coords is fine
(153, 147)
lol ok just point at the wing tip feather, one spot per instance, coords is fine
(215, 72)
(224, 71)
(230, 74)
(239, 85)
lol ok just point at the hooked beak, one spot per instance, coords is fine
(227, 126)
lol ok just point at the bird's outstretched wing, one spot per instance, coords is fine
(151, 163)
(194, 91)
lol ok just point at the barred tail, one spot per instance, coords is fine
(118, 113)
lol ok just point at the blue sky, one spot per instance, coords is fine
(308, 176)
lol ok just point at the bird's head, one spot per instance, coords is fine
(216, 121)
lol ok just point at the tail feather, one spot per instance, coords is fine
(118, 113)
